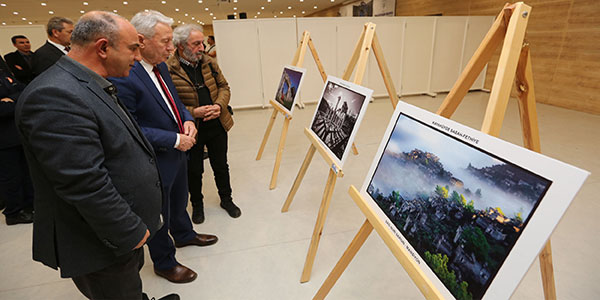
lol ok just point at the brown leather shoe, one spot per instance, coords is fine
(177, 274)
(199, 240)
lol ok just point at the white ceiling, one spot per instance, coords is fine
(37, 12)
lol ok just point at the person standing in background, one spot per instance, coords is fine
(205, 93)
(211, 50)
(59, 31)
(20, 61)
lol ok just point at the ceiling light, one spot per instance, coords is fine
(24, 19)
(211, 14)
(51, 12)
(82, 11)
(235, 14)
(332, 0)
(258, 13)
(234, 1)
(303, 12)
(315, 7)
(179, 22)
(289, 7)
(255, 17)
(262, 7)
(281, 13)
(275, 16)
(114, 10)
(214, 18)
(15, 12)
(30, 23)
(4, 4)
(200, 1)
(193, 18)
(301, 0)
(186, 14)
(43, 4)
(85, 3)
(177, 9)
(163, 2)
(125, 3)
(206, 8)
(268, 0)
(235, 8)
(3, 23)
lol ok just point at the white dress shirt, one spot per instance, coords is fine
(59, 46)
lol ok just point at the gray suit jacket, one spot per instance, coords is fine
(97, 186)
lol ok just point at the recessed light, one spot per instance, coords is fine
(3, 23)
(206, 8)
(211, 14)
(177, 9)
(200, 1)
(301, 0)
(258, 13)
(193, 18)
(179, 22)
(4, 4)
(303, 12)
(85, 3)
(15, 12)
(255, 17)
(235, 8)
(82, 11)
(235, 14)
(289, 7)
(29, 23)
(51, 12)
(315, 7)
(163, 2)
(114, 10)
(268, 0)
(24, 19)
(43, 4)
(275, 16)
(262, 7)
(214, 18)
(294, 16)
(185, 14)
(125, 3)
(234, 1)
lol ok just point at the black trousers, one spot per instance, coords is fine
(215, 139)
(120, 280)
(16, 188)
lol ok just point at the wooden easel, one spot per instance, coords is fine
(515, 61)
(298, 60)
(368, 39)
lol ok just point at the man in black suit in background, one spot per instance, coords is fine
(20, 60)
(15, 184)
(98, 190)
(59, 31)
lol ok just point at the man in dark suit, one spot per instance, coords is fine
(98, 190)
(20, 60)
(150, 96)
(59, 31)
(15, 184)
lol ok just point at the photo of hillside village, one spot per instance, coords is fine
(460, 208)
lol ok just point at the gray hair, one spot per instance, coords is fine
(145, 21)
(95, 25)
(57, 23)
(182, 33)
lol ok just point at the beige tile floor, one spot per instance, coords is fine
(261, 254)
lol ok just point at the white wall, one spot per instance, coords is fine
(423, 54)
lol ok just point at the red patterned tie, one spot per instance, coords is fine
(171, 101)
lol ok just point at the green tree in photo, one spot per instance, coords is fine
(441, 191)
(476, 242)
(439, 264)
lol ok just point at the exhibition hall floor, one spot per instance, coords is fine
(261, 254)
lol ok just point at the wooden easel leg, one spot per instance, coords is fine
(299, 177)
(480, 58)
(267, 133)
(316, 236)
(547, 272)
(385, 72)
(286, 125)
(360, 238)
(313, 50)
(352, 63)
(354, 149)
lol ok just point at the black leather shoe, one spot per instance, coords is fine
(199, 240)
(198, 215)
(231, 209)
(22, 217)
(177, 274)
(167, 297)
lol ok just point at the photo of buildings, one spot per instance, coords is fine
(288, 87)
(337, 116)
(459, 207)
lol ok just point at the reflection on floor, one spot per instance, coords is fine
(261, 254)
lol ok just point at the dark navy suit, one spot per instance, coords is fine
(143, 100)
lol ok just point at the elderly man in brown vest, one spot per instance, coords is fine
(204, 91)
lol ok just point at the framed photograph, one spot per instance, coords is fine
(473, 211)
(338, 116)
(289, 85)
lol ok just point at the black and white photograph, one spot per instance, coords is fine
(338, 115)
(461, 207)
(288, 88)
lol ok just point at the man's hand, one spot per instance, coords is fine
(214, 112)
(190, 129)
(143, 241)
(201, 111)
(19, 67)
(7, 100)
(185, 142)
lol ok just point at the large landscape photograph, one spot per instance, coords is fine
(338, 114)
(461, 208)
